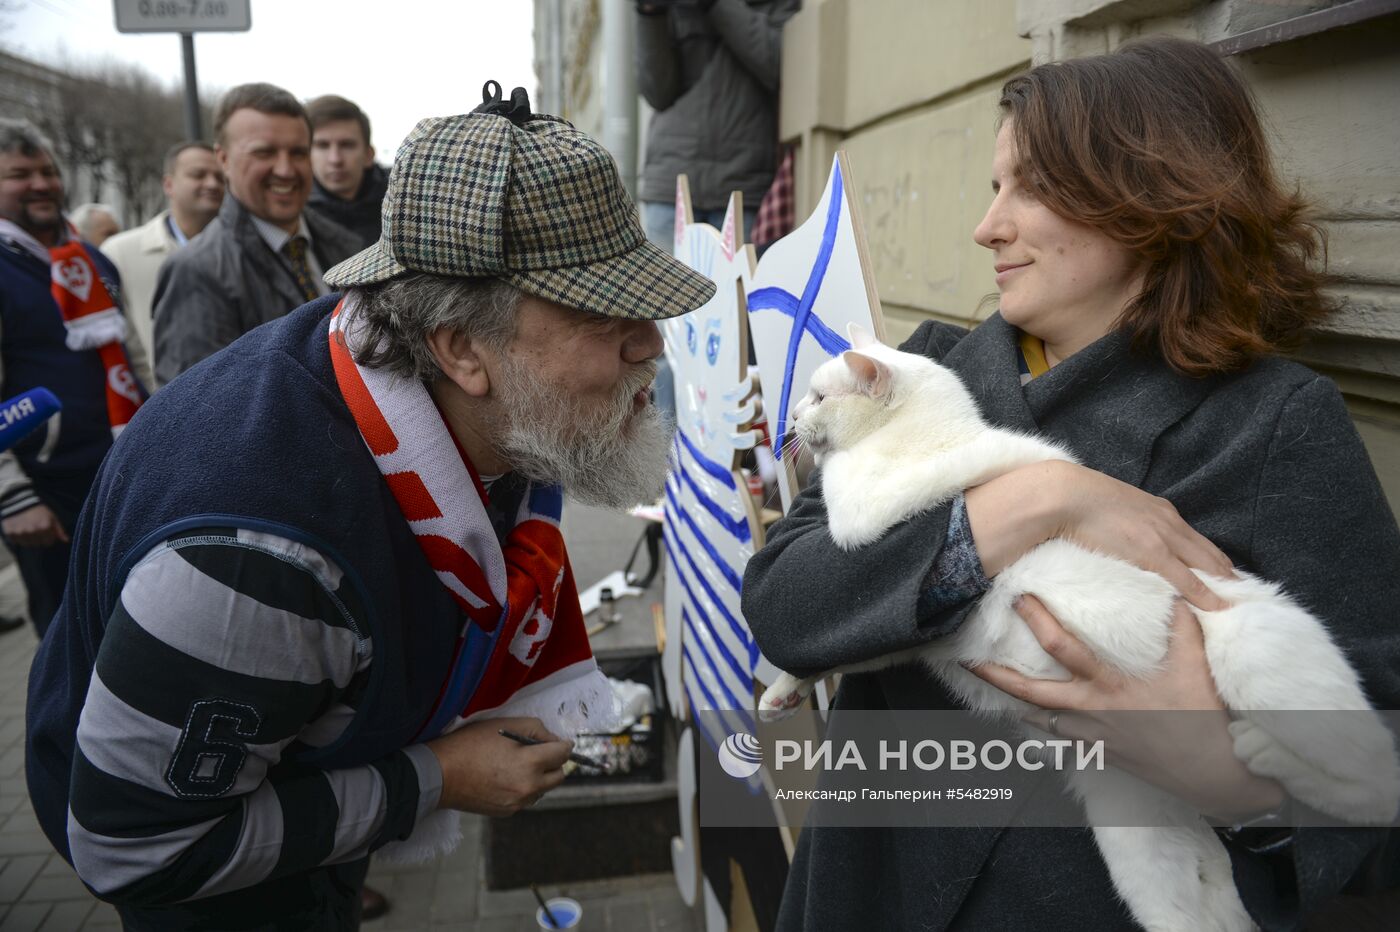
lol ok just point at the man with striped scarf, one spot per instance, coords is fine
(322, 569)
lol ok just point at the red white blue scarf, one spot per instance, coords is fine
(525, 633)
(523, 649)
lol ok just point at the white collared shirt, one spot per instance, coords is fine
(276, 238)
(180, 238)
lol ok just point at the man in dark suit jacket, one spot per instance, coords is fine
(348, 186)
(263, 255)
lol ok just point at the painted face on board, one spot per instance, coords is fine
(1060, 280)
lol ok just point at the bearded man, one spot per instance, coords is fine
(63, 328)
(321, 558)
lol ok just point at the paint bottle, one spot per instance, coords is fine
(607, 606)
(755, 484)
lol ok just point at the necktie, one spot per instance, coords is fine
(295, 248)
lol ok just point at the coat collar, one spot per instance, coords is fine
(239, 221)
(155, 236)
(1108, 402)
(240, 224)
(373, 186)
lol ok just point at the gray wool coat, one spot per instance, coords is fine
(228, 281)
(1266, 463)
(712, 78)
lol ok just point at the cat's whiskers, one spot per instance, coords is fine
(792, 446)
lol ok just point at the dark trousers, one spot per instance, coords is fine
(326, 899)
(45, 569)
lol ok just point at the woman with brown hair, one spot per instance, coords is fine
(1150, 266)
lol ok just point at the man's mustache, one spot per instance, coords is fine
(638, 379)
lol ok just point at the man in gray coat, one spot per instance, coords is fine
(263, 255)
(710, 68)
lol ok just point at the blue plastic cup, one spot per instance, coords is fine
(568, 913)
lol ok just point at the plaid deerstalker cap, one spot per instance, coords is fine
(527, 199)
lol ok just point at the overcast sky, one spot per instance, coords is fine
(400, 60)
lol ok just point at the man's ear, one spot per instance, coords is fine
(461, 361)
(167, 184)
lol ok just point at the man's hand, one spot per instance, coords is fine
(34, 527)
(489, 774)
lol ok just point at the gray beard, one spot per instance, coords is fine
(608, 457)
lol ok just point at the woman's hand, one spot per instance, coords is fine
(1190, 754)
(1020, 509)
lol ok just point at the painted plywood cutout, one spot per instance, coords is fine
(796, 303)
(808, 287)
(711, 525)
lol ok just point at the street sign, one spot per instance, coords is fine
(183, 15)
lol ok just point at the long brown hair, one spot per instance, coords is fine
(1159, 146)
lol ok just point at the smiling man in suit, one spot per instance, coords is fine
(263, 255)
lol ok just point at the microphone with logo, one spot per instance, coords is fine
(25, 413)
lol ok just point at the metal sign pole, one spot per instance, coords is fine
(192, 121)
(186, 19)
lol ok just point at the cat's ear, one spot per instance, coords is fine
(859, 336)
(873, 377)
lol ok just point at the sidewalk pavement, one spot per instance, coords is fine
(39, 891)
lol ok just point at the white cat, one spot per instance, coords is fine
(897, 434)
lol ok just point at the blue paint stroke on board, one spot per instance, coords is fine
(714, 705)
(738, 697)
(702, 725)
(707, 640)
(776, 299)
(740, 632)
(730, 576)
(738, 528)
(802, 316)
(700, 722)
(719, 471)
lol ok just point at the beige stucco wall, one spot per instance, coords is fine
(582, 65)
(909, 89)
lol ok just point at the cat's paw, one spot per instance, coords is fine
(1360, 791)
(783, 698)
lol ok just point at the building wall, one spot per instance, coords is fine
(29, 90)
(581, 76)
(909, 89)
(571, 29)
